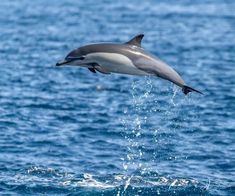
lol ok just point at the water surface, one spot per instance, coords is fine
(67, 131)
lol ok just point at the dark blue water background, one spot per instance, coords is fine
(67, 131)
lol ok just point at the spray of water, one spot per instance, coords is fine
(135, 118)
(155, 121)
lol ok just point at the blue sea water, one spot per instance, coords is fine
(67, 131)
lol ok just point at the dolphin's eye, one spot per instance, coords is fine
(75, 58)
(81, 58)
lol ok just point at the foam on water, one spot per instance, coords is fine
(38, 177)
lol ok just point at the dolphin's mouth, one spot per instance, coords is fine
(63, 62)
(68, 60)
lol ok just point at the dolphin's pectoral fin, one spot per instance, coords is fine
(136, 40)
(92, 70)
(102, 70)
(96, 67)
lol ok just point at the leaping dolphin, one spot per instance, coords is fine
(128, 58)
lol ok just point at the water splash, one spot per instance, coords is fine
(90, 181)
(115, 184)
(175, 90)
(135, 118)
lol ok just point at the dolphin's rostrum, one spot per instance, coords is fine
(128, 58)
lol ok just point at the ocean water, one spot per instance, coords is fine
(67, 131)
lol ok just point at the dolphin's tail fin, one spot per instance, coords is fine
(187, 89)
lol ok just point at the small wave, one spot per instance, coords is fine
(40, 176)
(89, 181)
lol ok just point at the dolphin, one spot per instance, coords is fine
(128, 58)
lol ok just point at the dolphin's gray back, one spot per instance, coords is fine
(139, 57)
(123, 49)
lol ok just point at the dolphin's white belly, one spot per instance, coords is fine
(114, 62)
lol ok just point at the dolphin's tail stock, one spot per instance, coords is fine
(187, 89)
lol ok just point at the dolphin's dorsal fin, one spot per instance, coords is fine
(136, 41)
